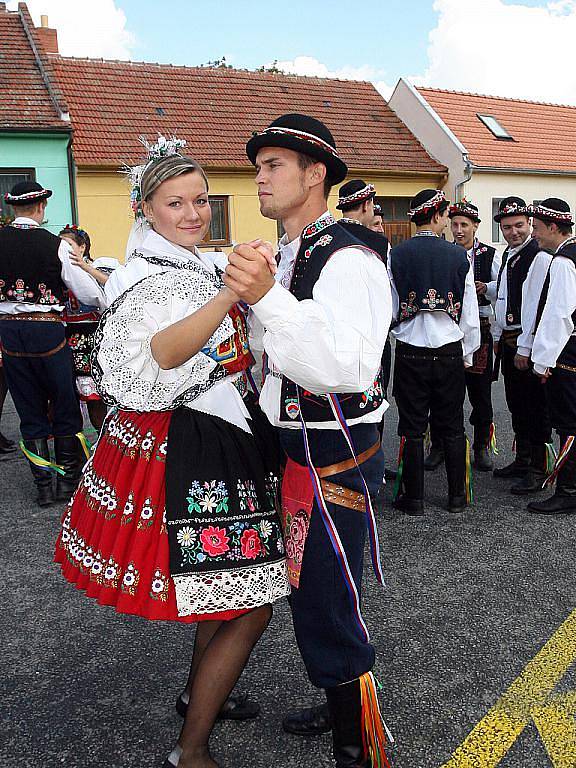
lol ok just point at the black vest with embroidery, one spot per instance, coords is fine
(376, 241)
(429, 275)
(568, 250)
(516, 267)
(320, 241)
(30, 269)
(483, 256)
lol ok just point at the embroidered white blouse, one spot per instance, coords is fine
(330, 343)
(172, 290)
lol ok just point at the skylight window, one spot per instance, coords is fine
(494, 127)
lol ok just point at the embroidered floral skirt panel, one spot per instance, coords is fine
(224, 554)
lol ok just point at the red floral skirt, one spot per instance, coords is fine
(114, 543)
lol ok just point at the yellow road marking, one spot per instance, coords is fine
(529, 698)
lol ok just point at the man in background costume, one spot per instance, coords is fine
(35, 275)
(485, 262)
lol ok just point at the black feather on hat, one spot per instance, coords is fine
(553, 209)
(465, 208)
(353, 193)
(303, 134)
(511, 206)
(26, 192)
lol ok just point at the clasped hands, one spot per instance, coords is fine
(250, 271)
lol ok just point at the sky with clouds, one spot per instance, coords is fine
(501, 47)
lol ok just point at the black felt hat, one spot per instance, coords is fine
(353, 193)
(427, 201)
(304, 134)
(27, 192)
(553, 209)
(512, 206)
(465, 208)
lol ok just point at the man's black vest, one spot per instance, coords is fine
(30, 270)
(568, 250)
(430, 275)
(482, 258)
(320, 241)
(516, 267)
(376, 241)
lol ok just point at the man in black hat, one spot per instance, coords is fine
(551, 339)
(437, 332)
(35, 273)
(485, 263)
(326, 319)
(518, 287)
(377, 222)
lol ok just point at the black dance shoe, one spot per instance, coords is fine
(555, 505)
(457, 504)
(234, 708)
(312, 721)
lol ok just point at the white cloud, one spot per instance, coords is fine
(311, 67)
(505, 50)
(86, 28)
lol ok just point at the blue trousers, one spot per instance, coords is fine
(34, 378)
(332, 646)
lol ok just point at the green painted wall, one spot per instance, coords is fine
(47, 154)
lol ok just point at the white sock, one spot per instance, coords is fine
(174, 756)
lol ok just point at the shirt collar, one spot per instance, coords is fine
(518, 248)
(26, 220)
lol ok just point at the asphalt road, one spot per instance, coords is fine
(470, 601)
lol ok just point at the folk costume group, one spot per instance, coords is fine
(175, 515)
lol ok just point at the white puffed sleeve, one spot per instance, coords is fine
(123, 366)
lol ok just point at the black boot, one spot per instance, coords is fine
(6, 446)
(435, 457)
(455, 459)
(564, 500)
(345, 706)
(67, 450)
(42, 477)
(482, 459)
(521, 463)
(411, 499)
(312, 721)
(534, 478)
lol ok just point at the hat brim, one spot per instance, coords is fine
(552, 220)
(30, 200)
(475, 219)
(499, 216)
(336, 169)
(356, 203)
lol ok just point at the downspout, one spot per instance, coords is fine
(468, 167)
(72, 181)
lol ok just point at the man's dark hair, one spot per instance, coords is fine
(304, 162)
(564, 229)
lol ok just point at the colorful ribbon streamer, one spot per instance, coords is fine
(492, 445)
(562, 456)
(400, 470)
(38, 461)
(375, 733)
(469, 476)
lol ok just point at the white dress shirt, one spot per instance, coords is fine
(82, 285)
(330, 343)
(486, 310)
(435, 329)
(556, 325)
(531, 292)
(536, 275)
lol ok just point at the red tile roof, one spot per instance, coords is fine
(544, 134)
(112, 103)
(26, 102)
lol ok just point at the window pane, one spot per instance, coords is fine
(7, 181)
(496, 234)
(394, 208)
(494, 126)
(219, 226)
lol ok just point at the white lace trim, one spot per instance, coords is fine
(231, 590)
(124, 368)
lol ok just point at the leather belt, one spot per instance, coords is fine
(46, 317)
(35, 354)
(344, 497)
(344, 466)
(564, 367)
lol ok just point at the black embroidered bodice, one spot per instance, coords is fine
(482, 259)
(429, 275)
(320, 241)
(516, 267)
(376, 241)
(30, 269)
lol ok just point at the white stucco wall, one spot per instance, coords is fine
(431, 132)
